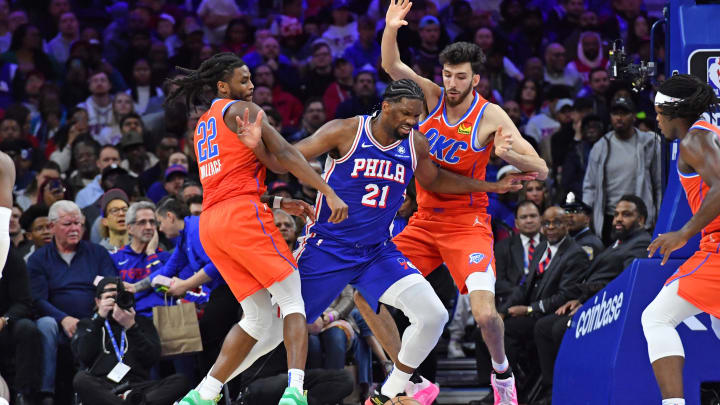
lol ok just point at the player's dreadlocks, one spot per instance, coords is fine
(194, 83)
(696, 97)
(403, 88)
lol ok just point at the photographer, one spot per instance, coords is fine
(114, 335)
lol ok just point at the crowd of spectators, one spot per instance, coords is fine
(107, 181)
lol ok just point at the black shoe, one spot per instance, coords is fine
(376, 399)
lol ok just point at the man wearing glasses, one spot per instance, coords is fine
(557, 265)
(136, 260)
(61, 281)
(113, 228)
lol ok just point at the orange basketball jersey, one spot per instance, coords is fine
(696, 190)
(227, 167)
(453, 147)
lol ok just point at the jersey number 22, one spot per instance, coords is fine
(207, 130)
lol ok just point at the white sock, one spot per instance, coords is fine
(209, 388)
(500, 367)
(296, 377)
(395, 383)
(673, 401)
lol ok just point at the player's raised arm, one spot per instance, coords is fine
(510, 146)
(439, 180)
(701, 151)
(328, 138)
(394, 19)
(7, 181)
(287, 155)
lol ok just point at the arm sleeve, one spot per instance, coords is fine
(5, 214)
(212, 271)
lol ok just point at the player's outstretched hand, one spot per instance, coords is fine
(503, 141)
(513, 182)
(667, 243)
(338, 207)
(299, 208)
(395, 17)
(249, 133)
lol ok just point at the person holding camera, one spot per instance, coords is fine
(118, 350)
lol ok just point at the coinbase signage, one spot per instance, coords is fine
(603, 358)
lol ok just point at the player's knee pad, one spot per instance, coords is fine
(287, 294)
(659, 321)
(257, 314)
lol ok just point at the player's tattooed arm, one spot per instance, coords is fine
(510, 146)
(700, 150)
(440, 180)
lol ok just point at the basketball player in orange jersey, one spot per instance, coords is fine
(7, 182)
(462, 129)
(237, 229)
(680, 102)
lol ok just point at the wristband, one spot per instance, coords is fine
(277, 201)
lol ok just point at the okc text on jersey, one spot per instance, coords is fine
(378, 169)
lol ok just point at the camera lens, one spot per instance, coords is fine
(125, 300)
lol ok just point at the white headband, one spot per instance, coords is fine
(663, 99)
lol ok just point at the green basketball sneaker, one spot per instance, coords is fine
(293, 396)
(193, 398)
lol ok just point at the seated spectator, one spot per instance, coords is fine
(289, 107)
(61, 277)
(366, 50)
(625, 161)
(137, 158)
(330, 340)
(175, 175)
(166, 147)
(27, 197)
(340, 89)
(112, 176)
(578, 216)
(238, 37)
(17, 237)
(557, 72)
(534, 70)
(59, 148)
(136, 260)
(37, 225)
(69, 32)
(99, 104)
(502, 206)
(26, 51)
(630, 242)
(529, 97)
(190, 188)
(122, 105)
(428, 50)
(194, 204)
(342, 31)
(557, 265)
(147, 98)
(364, 99)
(318, 74)
(287, 227)
(313, 118)
(113, 227)
(99, 348)
(18, 332)
(109, 155)
(52, 191)
(537, 192)
(20, 151)
(590, 55)
(268, 53)
(85, 152)
(513, 255)
(485, 39)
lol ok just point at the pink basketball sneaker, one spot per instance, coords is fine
(424, 392)
(504, 390)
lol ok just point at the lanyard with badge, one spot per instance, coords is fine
(121, 369)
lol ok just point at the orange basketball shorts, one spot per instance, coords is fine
(462, 239)
(240, 237)
(699, 279)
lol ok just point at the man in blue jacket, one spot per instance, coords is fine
(138, 259)
(61, 279)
